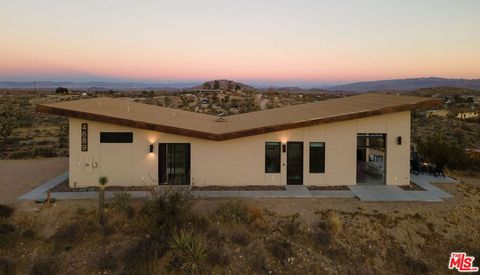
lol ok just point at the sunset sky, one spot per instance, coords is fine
(259, 42)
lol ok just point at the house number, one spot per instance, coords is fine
(84, 137)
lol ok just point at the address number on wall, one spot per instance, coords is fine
(84, 137)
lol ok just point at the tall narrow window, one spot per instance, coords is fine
(272, 157)
(317, 157)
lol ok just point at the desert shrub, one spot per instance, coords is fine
(139, 258)
(281, 249)
(218, 256)
(21, 155)
(122, 202)
(291, 225)
(107, 262)
(416, 265)
(200, 223)
(47, 266)
(240, 237)
(6, 228)
(233, 211)
(255, 214)
(5, 211)
(167, 212)
(441, 152)
(28, 233)
(72, 233)
(7, 234)
(334, 224)
(46, 152)
(322, 238)
(81, 210)
(7, 266)
(188, 253)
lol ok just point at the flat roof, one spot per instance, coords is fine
(151, 117)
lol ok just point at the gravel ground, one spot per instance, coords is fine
(20, 176)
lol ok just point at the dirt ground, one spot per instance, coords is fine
(20, 176)
(286, 237)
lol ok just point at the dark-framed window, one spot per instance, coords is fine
(116, 137)
(317, 157)
(272, 157)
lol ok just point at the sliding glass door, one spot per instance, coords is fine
(174, 163)
(371, 153)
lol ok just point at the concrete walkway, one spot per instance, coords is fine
(363, 192)
(40, 191)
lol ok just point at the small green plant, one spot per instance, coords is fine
(189, 253)
(233, 211)
(122, 202)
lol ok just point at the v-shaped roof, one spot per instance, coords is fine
(174, 121)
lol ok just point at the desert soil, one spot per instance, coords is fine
(20, 176)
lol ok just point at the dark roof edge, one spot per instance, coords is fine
(233, 135)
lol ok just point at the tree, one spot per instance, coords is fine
(61, 90)
(101, 200)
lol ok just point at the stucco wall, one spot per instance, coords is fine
(238, 161)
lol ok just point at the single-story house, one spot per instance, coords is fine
(363, 139)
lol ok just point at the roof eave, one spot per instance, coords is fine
(238, 134)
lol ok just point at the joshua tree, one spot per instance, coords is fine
(101, 205)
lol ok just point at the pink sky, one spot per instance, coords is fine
(272, 41)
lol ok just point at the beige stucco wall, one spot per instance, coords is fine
(238, 161)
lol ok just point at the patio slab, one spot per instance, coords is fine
(384, 193)
(425, 181)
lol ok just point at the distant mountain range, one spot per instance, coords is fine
(359, 87)
(408, 84)
(95, 85)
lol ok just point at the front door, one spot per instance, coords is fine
(295, 163)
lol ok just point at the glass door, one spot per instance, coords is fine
(174, 163)
(295, 163)
(371, 153)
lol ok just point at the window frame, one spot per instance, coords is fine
(312, 169)
(278, 157)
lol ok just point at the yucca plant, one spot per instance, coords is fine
(188, 251)
(101, 200)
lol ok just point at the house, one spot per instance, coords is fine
(363, 139)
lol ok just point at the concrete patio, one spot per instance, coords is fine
(367, 193)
